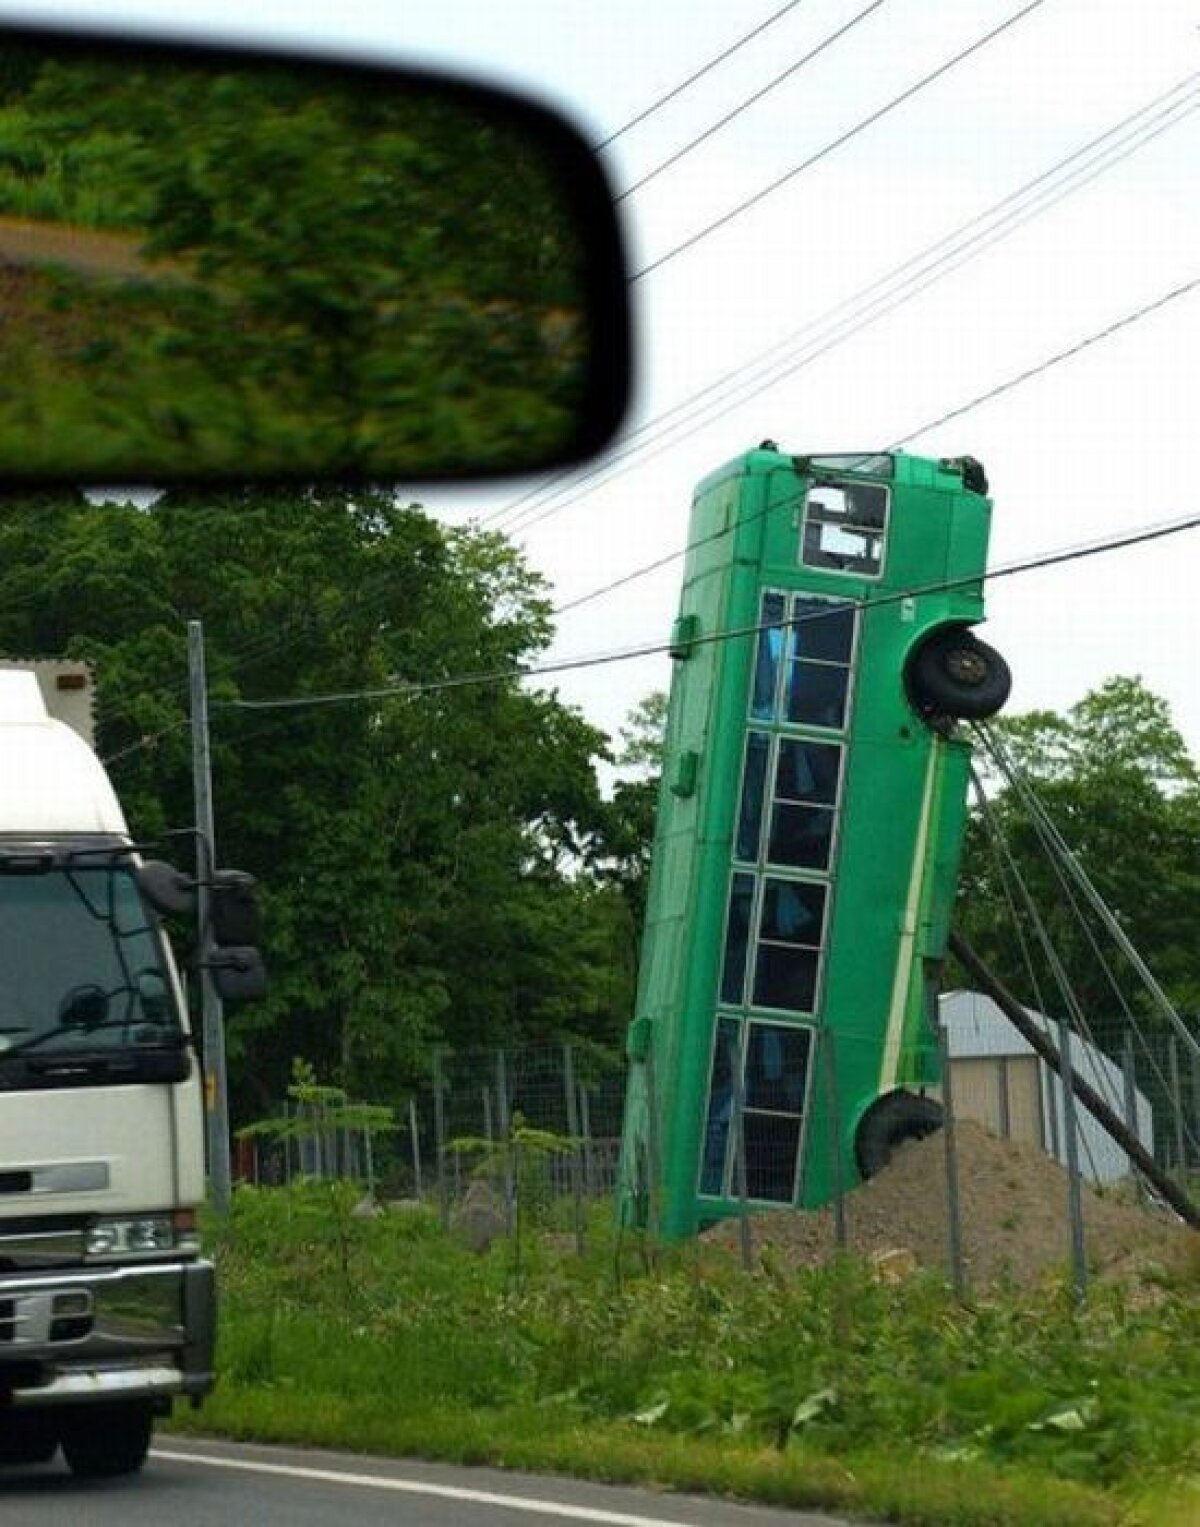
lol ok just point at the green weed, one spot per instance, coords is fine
(823, 1387)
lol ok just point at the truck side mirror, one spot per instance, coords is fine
(168, 890)
(234, 909)
(238, 973)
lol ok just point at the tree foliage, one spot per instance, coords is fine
(626, 843)
(1116, 778)
(353, 273)
(422, 857)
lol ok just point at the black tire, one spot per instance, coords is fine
(888, 1123)
(103, 1441)
(952, 673)
(28, 1436)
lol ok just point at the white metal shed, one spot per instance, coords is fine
(1000, 1081)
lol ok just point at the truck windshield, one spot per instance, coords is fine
(81, 967)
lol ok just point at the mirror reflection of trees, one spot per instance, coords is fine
(262, 268)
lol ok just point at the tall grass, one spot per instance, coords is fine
(824, 1386)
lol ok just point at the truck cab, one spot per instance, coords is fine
(107, 1309)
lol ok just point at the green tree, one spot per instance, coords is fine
(625, 844)
(1116, 778)
(421, 855)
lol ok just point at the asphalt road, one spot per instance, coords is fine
(216, 1484)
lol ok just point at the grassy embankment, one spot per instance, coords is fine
(826, 1388)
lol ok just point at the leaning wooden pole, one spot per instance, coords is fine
(1088, 1096)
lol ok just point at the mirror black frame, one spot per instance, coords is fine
(578, 175)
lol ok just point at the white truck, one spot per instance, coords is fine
(107, 1308)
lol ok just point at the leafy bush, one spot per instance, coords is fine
(440, 1351)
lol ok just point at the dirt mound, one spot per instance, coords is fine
(1013, 1214)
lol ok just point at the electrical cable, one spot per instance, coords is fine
(871, 303)
(744, 105)
(869, 121)
(1020, 785)
(1060, 854)
(698, 74)
(1057, 969)
(1054, 360)
(264, 645)
(994, 392)
(1079, 552)
(1134, 537)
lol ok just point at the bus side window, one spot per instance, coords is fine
(844, 527)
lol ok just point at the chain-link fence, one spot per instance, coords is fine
(549, 1116)
(497, 1134)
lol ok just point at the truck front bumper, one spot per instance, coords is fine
(105, 1333)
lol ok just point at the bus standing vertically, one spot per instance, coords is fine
(809, 826)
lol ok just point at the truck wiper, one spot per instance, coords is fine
(162, 1033)
(38, 861)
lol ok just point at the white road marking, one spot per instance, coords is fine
(417, 1487)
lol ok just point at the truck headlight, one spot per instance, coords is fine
(141, 1235)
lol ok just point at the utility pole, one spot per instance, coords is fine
(216, 1092)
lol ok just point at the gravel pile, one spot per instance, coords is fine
(1013, 1212)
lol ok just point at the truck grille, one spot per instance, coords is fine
(64, 1315)
(31, 1242)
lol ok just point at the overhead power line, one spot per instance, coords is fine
(840, 323)
(977, 402)
(697, 74)
(1132, 538)
(750, 100)
(1121, 540)
(1054, 360)
(852, 132)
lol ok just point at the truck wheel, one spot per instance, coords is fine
(888, 1123)
(28, 1436)
(102, 1441)
(953, 673)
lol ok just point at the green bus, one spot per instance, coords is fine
(809, 825)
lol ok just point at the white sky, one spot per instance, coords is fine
(1100, 443)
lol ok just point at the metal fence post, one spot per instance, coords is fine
(1195, 1070)
(504, 1122)
(369, 1153)
(958, 1275)
(573, 1130)
(585, 1127)
(488, 1131)
(1129, 1078)
(1050, 1094)
(439, 1133)
(414, 1135)
(1071, 1140)
(834, 1118)
(1177, 1103)
(1005, 1099)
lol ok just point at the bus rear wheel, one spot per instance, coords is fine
(952, 673)
(888, 1123)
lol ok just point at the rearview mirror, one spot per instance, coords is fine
(168, 890)
(234, 908)
(238, 974)
(221, 264)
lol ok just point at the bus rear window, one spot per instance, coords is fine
(844, 527)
